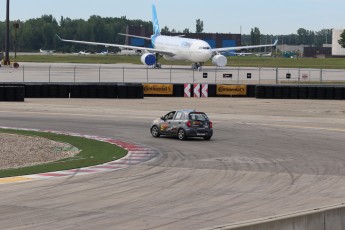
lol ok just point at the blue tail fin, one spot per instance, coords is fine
(156, 28)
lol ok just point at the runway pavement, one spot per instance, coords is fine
(267, 157)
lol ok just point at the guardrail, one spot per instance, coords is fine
(228, 75)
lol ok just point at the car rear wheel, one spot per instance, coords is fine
(155, 131)
(181, 134)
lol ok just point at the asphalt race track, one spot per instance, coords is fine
(267, 157)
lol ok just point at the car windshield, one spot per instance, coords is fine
(198, 117)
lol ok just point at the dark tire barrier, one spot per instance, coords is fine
(93, 91)
(12, 93)
(300, 92)
(339, 93)
(131, 91)
(122, 91)
(312, 92)
(2, 93)
(294, 92)
(329, 93)
(101, 91)
(251, 90)
(269, 92)
(285, 92)
(212, 91)
(136, 91)
(260, 91)
(112, 91)
(303, 92)
(277, 92)
(37, 91)
(63, 91)
(84, 91)
(139, 91)
(320, 92)
(179, 90)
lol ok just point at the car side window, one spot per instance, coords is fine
(170, 115)
(178, 116)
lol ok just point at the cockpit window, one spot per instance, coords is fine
(204, 48)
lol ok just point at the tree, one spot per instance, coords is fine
(186, 31)
(165, 30)
(342, 39)
(199, 26)
(255, 36)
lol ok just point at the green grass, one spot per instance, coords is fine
(93, 152)
(320, 63)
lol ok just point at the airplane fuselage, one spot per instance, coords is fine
(185, 49)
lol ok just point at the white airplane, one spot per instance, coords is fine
(241, 54)
(47, 51)
(175, 48)
(104, 52)
(83, 52)
(264, 54)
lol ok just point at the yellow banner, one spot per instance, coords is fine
(158, 89)
(232, 90)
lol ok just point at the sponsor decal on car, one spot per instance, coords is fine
(164, 127)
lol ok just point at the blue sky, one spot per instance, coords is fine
(223, 16)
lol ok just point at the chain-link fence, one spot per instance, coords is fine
(211, 75)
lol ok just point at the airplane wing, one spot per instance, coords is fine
(151, 50)
(134, 36)
(242, 47)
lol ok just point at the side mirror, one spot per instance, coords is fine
(162, 118)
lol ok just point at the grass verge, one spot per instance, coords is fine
(92, 152)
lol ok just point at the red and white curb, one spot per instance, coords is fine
(137, 153)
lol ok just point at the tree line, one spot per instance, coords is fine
(39, 33)
(302, 37)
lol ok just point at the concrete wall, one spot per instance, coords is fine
(327, 219)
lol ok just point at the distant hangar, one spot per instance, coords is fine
(337, 50)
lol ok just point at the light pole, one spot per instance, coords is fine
(15, 26)
(7, 37)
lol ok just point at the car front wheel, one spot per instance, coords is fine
(181, 134)
(155, 131)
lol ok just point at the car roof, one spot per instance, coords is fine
(188, 111)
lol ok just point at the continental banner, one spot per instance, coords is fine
(232, 90)
(158, 89)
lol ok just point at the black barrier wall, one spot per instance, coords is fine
(12, 93)
(17, 92)
(65, 90)
(319, 92)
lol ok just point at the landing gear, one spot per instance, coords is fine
(157, 65)
(197, 66)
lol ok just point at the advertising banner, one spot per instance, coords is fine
(158, 89)
(232, 90)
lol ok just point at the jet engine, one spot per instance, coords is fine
(219, 60)
(148, 59)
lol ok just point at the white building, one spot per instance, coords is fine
(337, 50)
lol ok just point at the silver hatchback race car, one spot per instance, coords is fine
(183, 124)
